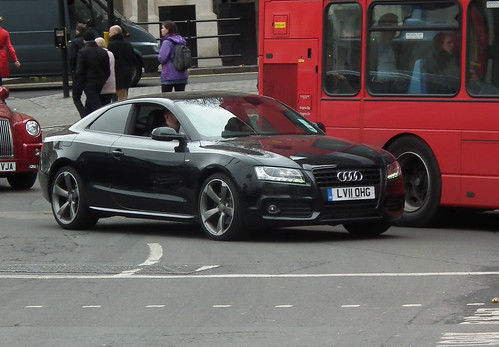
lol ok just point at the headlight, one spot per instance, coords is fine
(33, 128)
(279, 174)
(393, 170)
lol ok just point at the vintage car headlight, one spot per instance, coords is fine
(279, 174)
(393, 170)
(33, 128)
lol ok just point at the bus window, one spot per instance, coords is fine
(414, 49)
(482, 56)
(343, 49)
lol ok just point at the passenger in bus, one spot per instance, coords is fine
(477, 86)
(384, 59)
(442, 65)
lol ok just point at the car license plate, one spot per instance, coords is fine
(7, 166)
(351, 193)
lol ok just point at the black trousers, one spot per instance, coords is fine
(180, 87)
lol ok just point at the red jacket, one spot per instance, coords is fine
(4, 61)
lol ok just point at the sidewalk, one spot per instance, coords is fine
(53, 111)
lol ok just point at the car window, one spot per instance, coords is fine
(244, 116)
(112, 121)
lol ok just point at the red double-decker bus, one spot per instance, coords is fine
(418, 78)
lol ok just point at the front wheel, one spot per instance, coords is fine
(422, 181)
(22, 181)
(69, 204)
(220, 208)
(367, 229)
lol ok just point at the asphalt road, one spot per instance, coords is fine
(149, 283)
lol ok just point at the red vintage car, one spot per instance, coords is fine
(20, 145)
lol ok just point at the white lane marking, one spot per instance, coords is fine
(155, 306)
(155, 254)
(207, 267)
(128, 273)
(469, 339)
(222, 306)
(91, 306)
(200, 276)
(475, 304)
(412, 305)
(350, 306)
(483, 316)
(34, 306)
(283, 306)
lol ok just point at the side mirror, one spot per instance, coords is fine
(321, 126)
(4, 92)
(169, 134)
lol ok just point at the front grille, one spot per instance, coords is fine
(6, 142)
(326, 178)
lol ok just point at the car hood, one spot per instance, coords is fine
(306, 151)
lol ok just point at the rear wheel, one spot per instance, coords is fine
(69, 204)
(136, 72)
(22, 181)
(220, 208)
(422, 181)
(367, 229)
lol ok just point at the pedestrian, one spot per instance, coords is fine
(109, 90)
(4, 60)
(123, 61)
(74, 48)
(171, 78)
(92, 71)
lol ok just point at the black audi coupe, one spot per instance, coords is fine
(231, 162)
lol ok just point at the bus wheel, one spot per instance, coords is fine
(422, 181)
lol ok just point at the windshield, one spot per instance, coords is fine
(228, 117)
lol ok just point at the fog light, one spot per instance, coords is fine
(37, 152)
(33, 167)
(273, 209)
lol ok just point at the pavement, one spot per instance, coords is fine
(55, 111)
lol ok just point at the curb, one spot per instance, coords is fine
(57, 80)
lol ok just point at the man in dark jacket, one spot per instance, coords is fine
(76, 45)
(123, 60)
(92, 71)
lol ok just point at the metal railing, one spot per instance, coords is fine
(189, 37)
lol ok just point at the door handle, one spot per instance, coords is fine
(118, 153)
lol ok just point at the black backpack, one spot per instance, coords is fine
(182, 59)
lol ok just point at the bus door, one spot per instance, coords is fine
(341, 70)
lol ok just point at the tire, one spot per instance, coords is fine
(22, 181)
(219, 208)
(136, 72)
(367, 229)
(69, 204)
(422, 181)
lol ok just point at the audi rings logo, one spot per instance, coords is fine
(349, 176)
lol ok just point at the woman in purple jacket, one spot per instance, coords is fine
(171, 78)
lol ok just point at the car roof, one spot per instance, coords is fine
(193, 95)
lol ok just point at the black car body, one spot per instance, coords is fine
(238, 162)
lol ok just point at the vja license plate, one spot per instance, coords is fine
(351, 193)
(7, 166)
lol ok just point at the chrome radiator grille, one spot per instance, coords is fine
(6, 142)
(326, 178)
